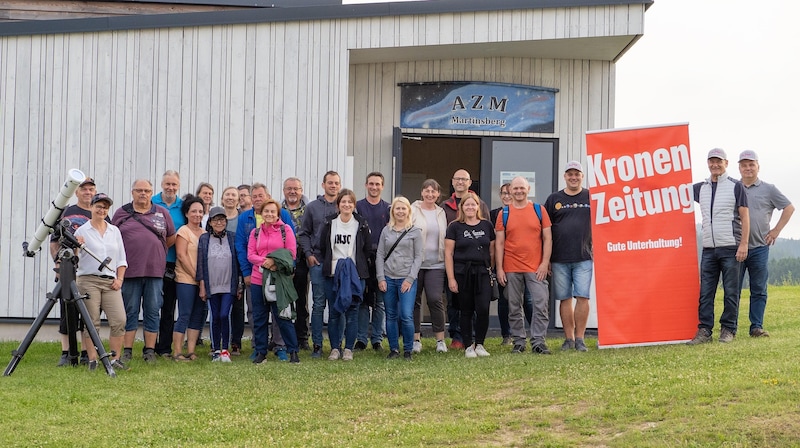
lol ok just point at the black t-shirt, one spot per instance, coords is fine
(571, 218)
(77, 217)
(472, 243)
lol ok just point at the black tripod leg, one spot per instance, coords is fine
(17, 354)
(72, 327)
(89, 325)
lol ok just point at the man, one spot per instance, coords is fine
(248, 221)
(571, 261)
(376, 212)
(245, 201)
(726, 230)
(77, 214)
(523, 247)
(168, 198)
(147, 232)
(762, 200)
(308, 237)
(461, 183)
(294, 202)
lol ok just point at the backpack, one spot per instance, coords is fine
(536, 207)
(283, 232)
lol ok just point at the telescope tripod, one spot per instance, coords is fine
(66, 290)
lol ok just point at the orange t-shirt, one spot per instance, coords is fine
(523, 238)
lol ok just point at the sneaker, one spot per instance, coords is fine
(580, 345)
(317, 353)
(470, 352)
(759, 333)
(701, 337)
(225, 356)
(127, 355)
(407, 356)
(84, 359)
(417, 347)
(480, 350)
(281, 354)
(518, 348)
(216, 356)
(64, 361)
(118, 365)
(377, 346)
(294, 358)
(271, 346)
(394, 354)
(568, 345)
(149, 356)
(334, 355)
(236, 350)
(540, 348)
(456, 345)
(359, 346)
(260, 358)
(92, 365)
(347, 355)
(507, 340)
(441, 347)
(726, 335)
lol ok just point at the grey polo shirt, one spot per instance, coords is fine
(762, 200)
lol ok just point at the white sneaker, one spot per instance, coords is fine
(347, 355)
(334, 355)
(225, 356)
(417, 347)
(470, 352)
(480, 351)
(441, 347)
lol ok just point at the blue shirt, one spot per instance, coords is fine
(177, 219)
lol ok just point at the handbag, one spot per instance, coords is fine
(396, 242)
(270, 295)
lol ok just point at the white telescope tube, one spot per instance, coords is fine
(74, 178)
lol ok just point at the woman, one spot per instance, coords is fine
(430, 218)
(191, 307)
(218, 277)
(344, 244)
(468, 256)
(205, 192)
(103, 239)
(262, 246)
(399, 257)
(230, 202)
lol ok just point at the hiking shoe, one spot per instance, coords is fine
(127, 355)
(518, 348)
(701, 337)
(64, 361)
(260, 358)
(540, 348)
(334, 355)
(347, 355)
(92, 365)
(726, 335)
(407, 356)
(149, 356)
(441, 347)
(281, 354)
(236, 350)
(470, 352)
(580, 345)
(225, 356)
(759, 333)
(216, 356)
(317, 353)
(417, 347)
(294, 358)
(480, 351)
(84, 359)
(118, 365)
(394, 354)
(359, 346)
(377, 346)
(456, 345)
(568, 345)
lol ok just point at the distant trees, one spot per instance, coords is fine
(785, 271)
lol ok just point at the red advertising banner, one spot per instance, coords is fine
(643, 232)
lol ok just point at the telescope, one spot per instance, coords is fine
(50, 219)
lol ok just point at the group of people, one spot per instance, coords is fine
(370, 262)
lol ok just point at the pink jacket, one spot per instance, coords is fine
(269, 239)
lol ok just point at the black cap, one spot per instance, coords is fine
(102, 197)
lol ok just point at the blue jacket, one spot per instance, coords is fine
(246, 224)
(202, 260)
(346, 285)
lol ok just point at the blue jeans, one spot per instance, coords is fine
(377, 320)
(756, 265)
(261, 311)
(336, 320)
(400, 306)
(318, 305)
(220, 305)
(713, 263)
(191, 309)
(144, 293)
(572, 279)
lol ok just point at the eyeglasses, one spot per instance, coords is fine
(142, 191)
(220, 218)
(292, 189)
(461, 179)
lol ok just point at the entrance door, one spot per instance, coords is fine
(435, 157)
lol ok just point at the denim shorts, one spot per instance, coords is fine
(572, 279)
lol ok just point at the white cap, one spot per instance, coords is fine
(573, 165)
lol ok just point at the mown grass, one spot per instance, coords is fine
(742, 394)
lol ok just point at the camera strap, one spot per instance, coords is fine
(129, 209)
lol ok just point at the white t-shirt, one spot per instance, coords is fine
(343, 239)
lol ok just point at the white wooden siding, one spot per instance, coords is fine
(232, 104)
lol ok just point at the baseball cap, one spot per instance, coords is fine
(87, 181)
(748, 154)
(573, 165)
(216, 211)
(101, 197)
(718, 153)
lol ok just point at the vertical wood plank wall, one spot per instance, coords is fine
(230, 104)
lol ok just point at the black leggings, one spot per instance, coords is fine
(473, 298)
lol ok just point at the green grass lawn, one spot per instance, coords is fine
(742, 394)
